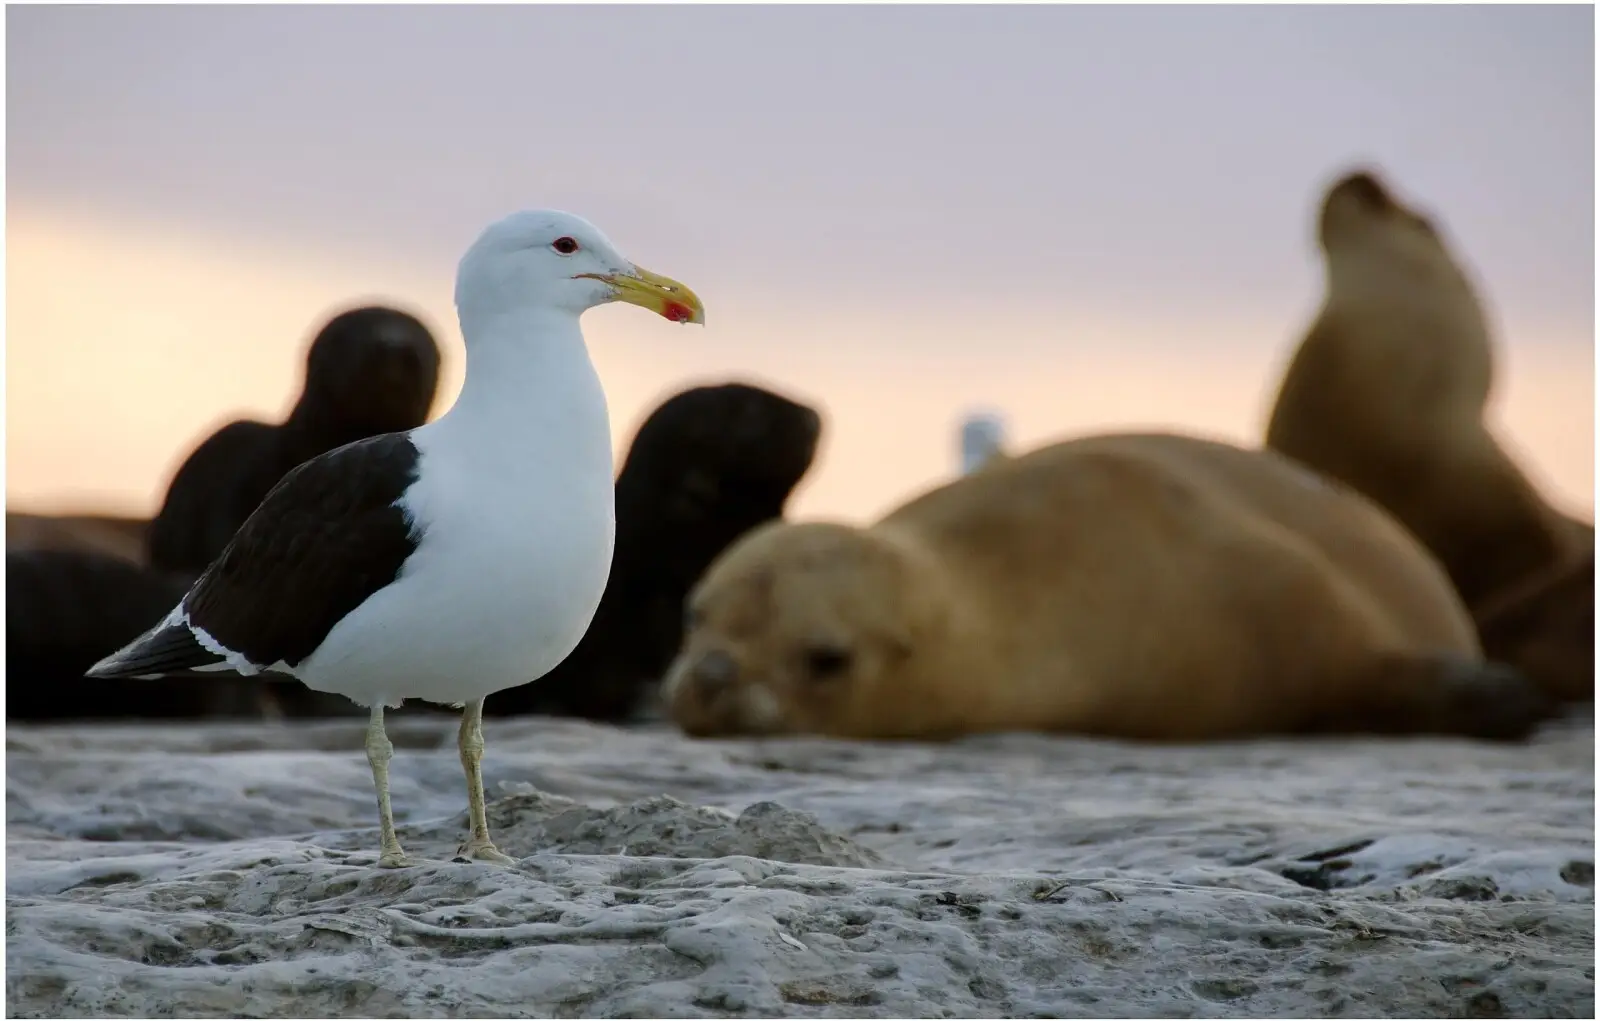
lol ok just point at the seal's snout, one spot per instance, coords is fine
(713, 673)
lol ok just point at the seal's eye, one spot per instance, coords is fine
(693, 617)
(566, 246)
(825, 661)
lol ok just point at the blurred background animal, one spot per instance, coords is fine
(67, 607)
(80, 586)
(370, 370)
(707, 465)
(982, 438)
(1545, 624)
(115, 535)
(1147, 586)
(1388, 393)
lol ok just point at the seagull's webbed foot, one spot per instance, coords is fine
(395, 859)
(485, 851)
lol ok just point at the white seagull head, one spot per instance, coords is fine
(548, 259)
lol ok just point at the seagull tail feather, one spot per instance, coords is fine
(167, 648)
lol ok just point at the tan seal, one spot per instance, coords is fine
(1545, 625)
(1387, 392)
(1144, 586)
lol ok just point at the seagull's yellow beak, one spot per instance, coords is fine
(661, 295)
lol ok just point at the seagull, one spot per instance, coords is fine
(982, 438)
(450, 561)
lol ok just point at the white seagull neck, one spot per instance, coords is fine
(530, 396)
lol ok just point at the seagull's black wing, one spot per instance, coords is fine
(325, 538)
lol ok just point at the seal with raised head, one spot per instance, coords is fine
(370, 370)
(1387, 393)
(709, 464)
(1146, 586)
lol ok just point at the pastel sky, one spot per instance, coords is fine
(1087, 217)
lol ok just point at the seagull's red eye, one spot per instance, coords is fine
(566, 246)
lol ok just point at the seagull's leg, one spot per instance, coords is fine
(379, 752)
(470, 740)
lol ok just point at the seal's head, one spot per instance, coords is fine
(799, 628)
(370, 370)
(730, 453)
(1359, 210)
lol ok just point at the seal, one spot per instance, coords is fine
(1545, 625)
(709, 464)
(369, 371)
(1148, 586)
(114, 535)
(68, 608)
(1387, 392)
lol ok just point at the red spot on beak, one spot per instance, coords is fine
(677, 312)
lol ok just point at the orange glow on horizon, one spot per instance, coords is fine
(126, 345)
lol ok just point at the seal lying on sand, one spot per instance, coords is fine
(104, 533)
(1142, 586)
(706, 466)
(1387, 393)
(66, 608)
(1545, 625)
(369, 371)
